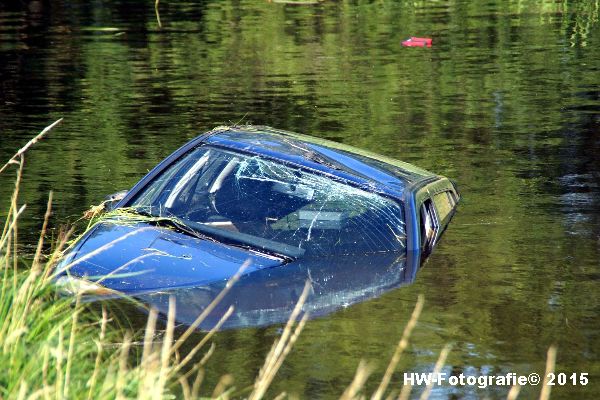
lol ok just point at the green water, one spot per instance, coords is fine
(506, 102)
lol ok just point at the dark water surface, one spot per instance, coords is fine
(507, 102)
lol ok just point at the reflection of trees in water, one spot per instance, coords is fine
(584, 18)
(506, 102)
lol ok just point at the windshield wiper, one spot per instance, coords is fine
(183, 228)
(219, 236)
(180, 226)
(249, 242)
(240, 245)
(174, 223)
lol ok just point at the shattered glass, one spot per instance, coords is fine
(268, 205)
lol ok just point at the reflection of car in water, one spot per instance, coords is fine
(267, 296)
(296, 207)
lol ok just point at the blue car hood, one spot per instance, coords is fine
(143, 257)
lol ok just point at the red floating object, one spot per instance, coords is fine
(417, 42)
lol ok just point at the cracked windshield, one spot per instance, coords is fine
(260, 267)
(253, 199)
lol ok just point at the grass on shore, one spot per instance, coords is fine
(54, 347)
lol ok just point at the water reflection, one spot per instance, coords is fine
(506, 101)
(267, 296)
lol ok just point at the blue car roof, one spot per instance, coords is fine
(347, 162)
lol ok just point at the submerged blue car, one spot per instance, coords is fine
(292, 207)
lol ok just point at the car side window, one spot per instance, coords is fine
(429, 226)
(444, 204)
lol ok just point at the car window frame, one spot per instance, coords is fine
(132, 196)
